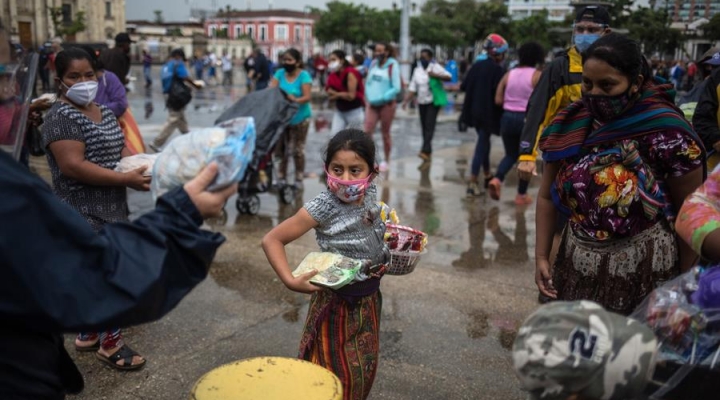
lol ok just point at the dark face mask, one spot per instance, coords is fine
(290, 67)
(424, 62)
(605, 108)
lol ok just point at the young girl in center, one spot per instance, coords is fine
(343, 326)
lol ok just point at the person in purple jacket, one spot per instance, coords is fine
(111, 92)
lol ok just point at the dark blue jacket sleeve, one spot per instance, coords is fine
(58, 275)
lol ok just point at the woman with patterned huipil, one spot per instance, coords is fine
(619, 164)
(84, 144)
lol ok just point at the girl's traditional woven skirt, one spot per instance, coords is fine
(617, 274)
(344, 337)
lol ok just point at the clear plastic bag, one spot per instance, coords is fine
(684, 313)
(230, 145)
(334, 270)
(136, 161)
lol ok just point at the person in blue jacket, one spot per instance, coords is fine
(382, 87)
(53, 265)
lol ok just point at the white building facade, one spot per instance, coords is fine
(30, 24)
(557, 9)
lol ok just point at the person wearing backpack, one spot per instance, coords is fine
(426, 86)
(345, 87)
(382, 87)
(174, 74)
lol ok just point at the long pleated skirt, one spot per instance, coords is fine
(617, 274)
(344, 337)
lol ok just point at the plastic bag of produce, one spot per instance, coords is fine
(230, 145)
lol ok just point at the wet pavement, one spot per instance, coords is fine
(446, 328)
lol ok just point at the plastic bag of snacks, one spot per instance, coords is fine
(334, 270)
(230, 145)
(387, 214)
(685, 315)
(136, 161)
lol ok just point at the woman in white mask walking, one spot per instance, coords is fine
(84, 144)
(345, 87)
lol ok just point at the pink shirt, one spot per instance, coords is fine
(518, 89)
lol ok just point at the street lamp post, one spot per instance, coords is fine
(405, 40)
(306, 38)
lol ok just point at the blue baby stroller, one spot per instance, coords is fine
(272, 112)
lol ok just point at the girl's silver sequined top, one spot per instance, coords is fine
(353, 230)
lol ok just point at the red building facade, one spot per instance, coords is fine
(273, 31)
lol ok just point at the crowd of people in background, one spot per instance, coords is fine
(624, 138)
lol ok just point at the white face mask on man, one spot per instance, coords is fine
(82, 93)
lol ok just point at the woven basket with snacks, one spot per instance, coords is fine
(406, 245)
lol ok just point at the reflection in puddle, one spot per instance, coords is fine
(474, 257)
(510, 251)
(425, 205)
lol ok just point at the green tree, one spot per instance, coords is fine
(158, 17)
(491, 17)
(620, 12)
(65, 28)
(356, 24)
(344, 21)
(445, 23)
(533, 28)
(652, 29)
(711, 30)
(433, 30)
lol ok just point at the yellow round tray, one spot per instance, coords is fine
(268, 378)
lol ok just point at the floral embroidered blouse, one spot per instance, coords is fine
(617, 190)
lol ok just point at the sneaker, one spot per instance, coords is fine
(523, 200)
(299, 185)
(280, 183)
(473, 189)
(494, 188)
(383, 167)
(424, 156)
(155, 148)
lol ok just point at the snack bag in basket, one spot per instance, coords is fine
(334, 270)
(230, 145)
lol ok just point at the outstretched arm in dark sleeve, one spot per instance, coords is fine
(59, 275)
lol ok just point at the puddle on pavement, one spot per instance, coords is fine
(256, 283)
(481, 325)
(478, 325)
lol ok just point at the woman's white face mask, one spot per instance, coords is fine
(82, 93)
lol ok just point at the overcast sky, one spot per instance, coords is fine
(179, 10)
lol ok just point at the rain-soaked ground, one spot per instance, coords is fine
(446, 328)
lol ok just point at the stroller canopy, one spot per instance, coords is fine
(272, 112)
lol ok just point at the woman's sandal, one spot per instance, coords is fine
(126, 354)
(88, 348)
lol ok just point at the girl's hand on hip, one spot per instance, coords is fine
(543, 279)
(301, 284)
